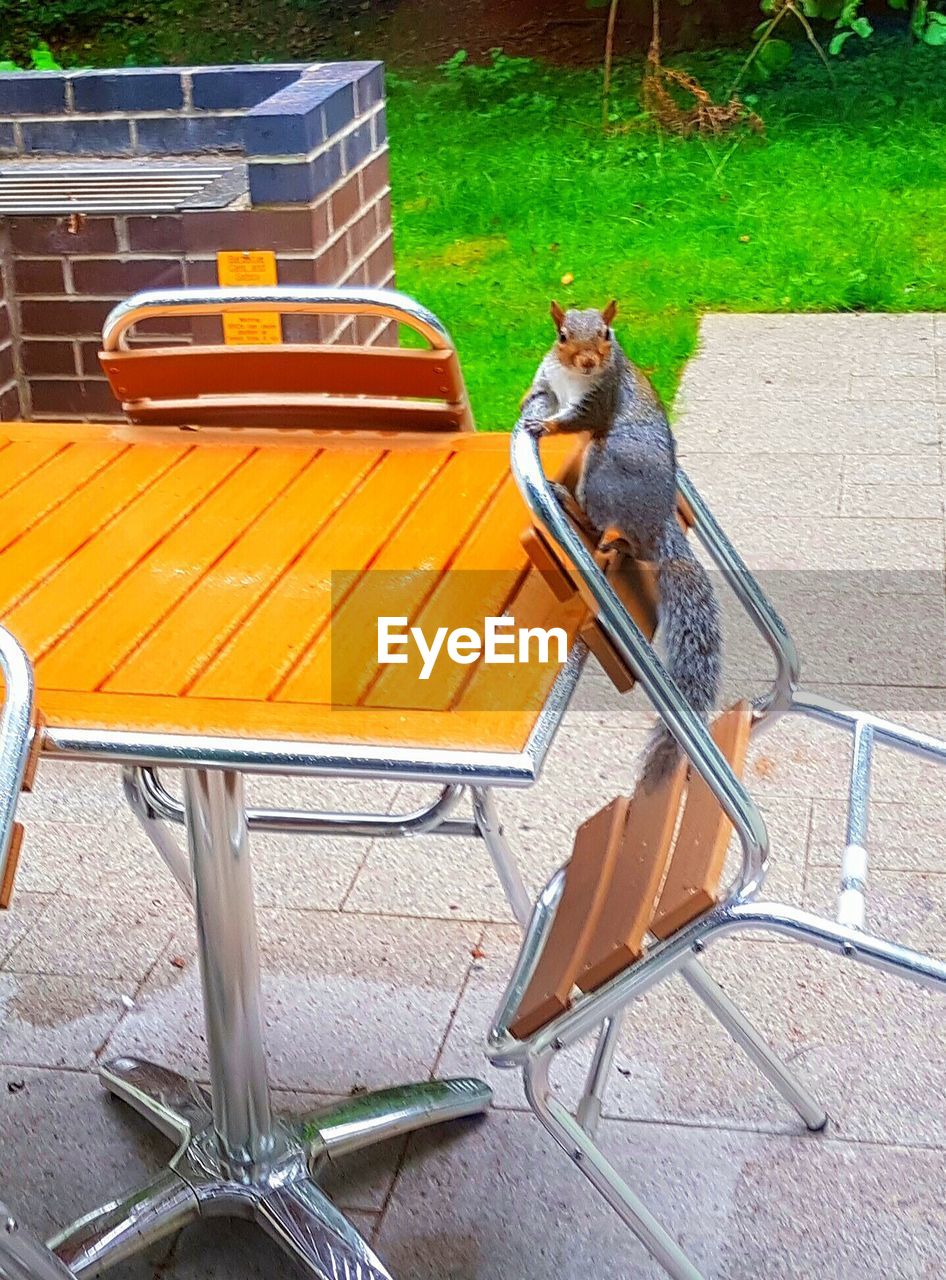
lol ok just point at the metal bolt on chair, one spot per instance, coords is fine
(642, 896)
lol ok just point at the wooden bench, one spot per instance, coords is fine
(648, 864)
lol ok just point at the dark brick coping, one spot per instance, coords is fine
(300, 127)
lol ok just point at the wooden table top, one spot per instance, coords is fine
(168, 581)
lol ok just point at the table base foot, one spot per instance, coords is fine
(283, 1198)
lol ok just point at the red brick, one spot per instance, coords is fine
(296, 271)
(89, 357)
(156, 233)
(207, 330)
(219, 230)
(356, 275)
(38, 275)
(380, 261)
(388, 335)
(4, 319)
(73, 234)
(85, 397)
(362, 232)
(319, 224)
(345, 202)
(7, 370)
(71, 316)
(10, 405)
(364, 329)
(331, 264)
(47, 357)
(109, 276)
(384, 211)
(307, 328)
(165, 326)
(200, 272)
(374, 177)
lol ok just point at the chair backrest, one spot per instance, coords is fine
(315, 385)
(16, 723)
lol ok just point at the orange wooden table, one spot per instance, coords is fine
(168, 584)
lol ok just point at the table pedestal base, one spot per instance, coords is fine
(281, 1194)
(235, 1157)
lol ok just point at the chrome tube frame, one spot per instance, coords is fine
(629, 641)
(335, 300)
(440, 766)
(599, 1012)
(145, 789)
(15, 735)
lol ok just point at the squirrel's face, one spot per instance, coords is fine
(584, 338)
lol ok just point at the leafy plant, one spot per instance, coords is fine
(41, 59)
(926, 24)
(503, 82)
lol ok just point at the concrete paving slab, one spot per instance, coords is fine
(740, 1204)
(778, 423)
(112, 937)
(350, 1001)
(905, 836)
(54, 1021)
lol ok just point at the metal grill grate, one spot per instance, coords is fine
(139, 186)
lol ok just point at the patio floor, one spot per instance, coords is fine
(819, 441)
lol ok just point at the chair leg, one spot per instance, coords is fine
(592, 1099)
(580, 1147)
(745, 1035)
(491, 829)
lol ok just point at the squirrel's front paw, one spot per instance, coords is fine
(535, 426)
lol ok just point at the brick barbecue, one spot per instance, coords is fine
(302, 150)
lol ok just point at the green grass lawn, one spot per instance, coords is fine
(503, 184)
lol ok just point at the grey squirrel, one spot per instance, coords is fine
(628, 483)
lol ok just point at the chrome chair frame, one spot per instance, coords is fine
(22, 1257)
(16, 730)
(740, 909)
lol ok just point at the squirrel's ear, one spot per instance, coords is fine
(558, 315)
(610, 311)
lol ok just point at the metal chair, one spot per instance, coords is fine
(640, 898)
(22, 1257)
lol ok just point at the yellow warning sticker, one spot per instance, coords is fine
(239, 270)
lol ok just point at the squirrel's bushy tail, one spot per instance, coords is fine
(690, 627)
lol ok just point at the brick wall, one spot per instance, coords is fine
(9, 391)
(314, 144)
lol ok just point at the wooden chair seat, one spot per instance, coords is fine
(639, 866)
